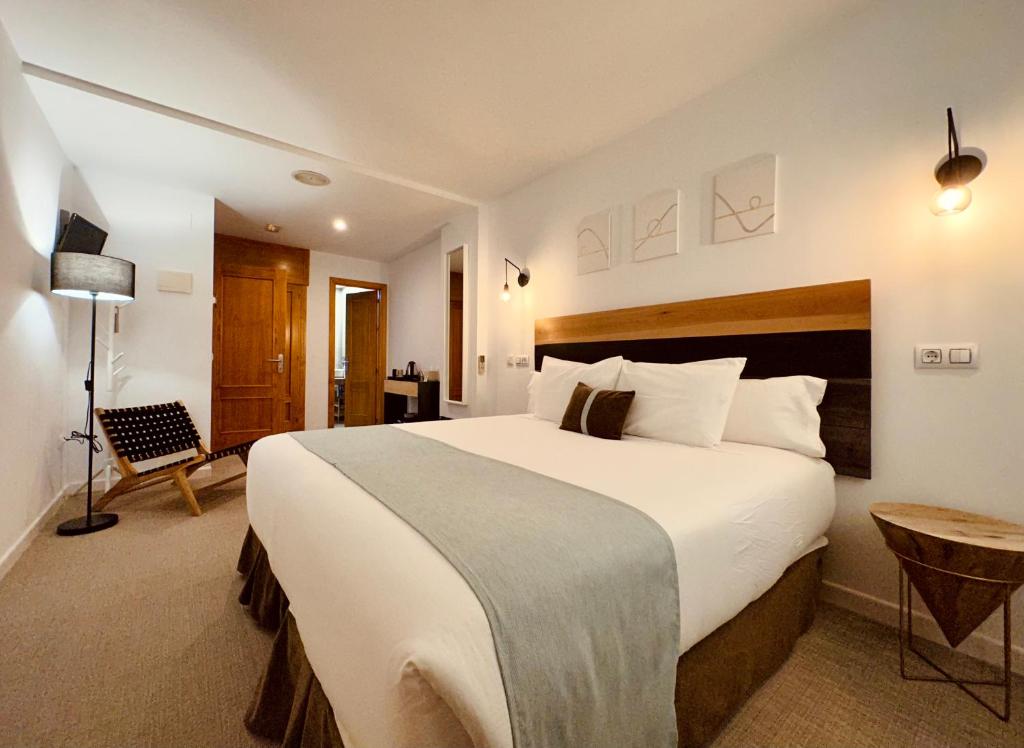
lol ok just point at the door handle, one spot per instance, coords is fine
(279, 360)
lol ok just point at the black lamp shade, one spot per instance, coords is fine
(84, 276)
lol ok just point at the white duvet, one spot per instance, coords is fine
(396, 637)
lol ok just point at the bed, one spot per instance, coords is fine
(382, 643)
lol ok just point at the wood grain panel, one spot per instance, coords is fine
(295, 354)
(961, 563)
(248, 326)
(362, 375)
(833, 306)
(831, 340)
(382, 341)
(234, 250)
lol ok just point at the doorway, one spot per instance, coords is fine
(259, 340)
(357, 352)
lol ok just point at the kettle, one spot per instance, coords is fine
(410, 370)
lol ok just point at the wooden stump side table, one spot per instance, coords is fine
(964, 566)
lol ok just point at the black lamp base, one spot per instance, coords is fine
(85, 525)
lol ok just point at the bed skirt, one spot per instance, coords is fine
(713, 678)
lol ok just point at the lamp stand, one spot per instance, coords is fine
(101, 520)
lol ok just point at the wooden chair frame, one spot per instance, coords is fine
(125, 447)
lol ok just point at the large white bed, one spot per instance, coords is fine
(400, 643)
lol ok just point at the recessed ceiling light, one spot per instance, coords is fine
(340, 224)
(311, 178)
(273, 228)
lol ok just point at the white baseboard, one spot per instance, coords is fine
(12, 554)
(977, 645)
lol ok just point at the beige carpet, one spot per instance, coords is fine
(132, 637)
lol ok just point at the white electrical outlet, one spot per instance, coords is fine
(946, 356)
(522, 360)
(510, 361)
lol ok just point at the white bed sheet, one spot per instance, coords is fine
(397, 638)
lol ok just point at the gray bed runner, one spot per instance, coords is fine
(580, 590)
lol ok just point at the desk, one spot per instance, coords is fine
(964, 566)
(408, 388)
(396, 403)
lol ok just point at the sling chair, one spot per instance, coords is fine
(150, 432)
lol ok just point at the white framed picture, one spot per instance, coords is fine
(744, 200)
(593, 242)
(656, 225)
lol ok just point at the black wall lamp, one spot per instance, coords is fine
(522, 279)
(953, 173)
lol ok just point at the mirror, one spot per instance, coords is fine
(455, 340)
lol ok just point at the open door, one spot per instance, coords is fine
(363, 377)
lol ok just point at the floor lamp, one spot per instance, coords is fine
(98, 278)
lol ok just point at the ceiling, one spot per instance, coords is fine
(251, 181)
(465, 98)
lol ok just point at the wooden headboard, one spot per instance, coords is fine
(822, 331)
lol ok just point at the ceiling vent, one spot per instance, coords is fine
(311, 178)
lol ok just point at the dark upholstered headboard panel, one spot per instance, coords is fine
(822, 331)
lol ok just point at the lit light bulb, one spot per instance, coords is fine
(340, 224)
(505, 295)
(950, 200)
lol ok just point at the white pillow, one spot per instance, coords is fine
(553, 388)
(682, 403)
(531, 393)
(780, 412)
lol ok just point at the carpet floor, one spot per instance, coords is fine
(133, 637)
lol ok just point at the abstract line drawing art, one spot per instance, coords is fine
(656, 225)
(593, 242)
(744, 200)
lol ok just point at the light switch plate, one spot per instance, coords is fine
(946, 356)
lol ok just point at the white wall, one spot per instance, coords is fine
(417, 285)
(462, 231)
(857, 119)
(166, 337)
(416, 308)
(322, 267)
(36, 181)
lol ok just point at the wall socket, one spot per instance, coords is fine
(946, 356)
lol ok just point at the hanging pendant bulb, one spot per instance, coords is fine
(953, 174)
(951, 200)
(505, 294)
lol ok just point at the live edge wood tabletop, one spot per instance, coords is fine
(964, 566)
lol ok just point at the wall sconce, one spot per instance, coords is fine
(522, 279)
(953, 174)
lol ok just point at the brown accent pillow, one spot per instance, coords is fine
(599, 413)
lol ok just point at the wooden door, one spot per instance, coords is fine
(250, 361)
(295, 356)
(362, 375)
(273, 406)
